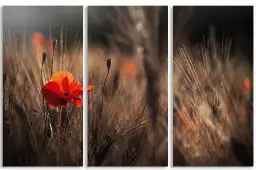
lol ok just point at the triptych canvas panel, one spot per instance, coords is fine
(97, 93)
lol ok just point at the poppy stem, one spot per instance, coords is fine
(53, 52)
(60, 113)
(95, 134)
(69, 125)
(49, 131)
(101, 106)
(42, 84)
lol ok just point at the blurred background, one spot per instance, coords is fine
(192, 24)
(103, 20)
(28, 19)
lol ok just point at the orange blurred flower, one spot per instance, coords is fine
(247, 86)
(128, 69)
(38, 40)
(90, 87)
(62, 89)
(42, 44)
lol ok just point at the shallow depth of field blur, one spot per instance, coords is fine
(119, 131)
(26, 34)
(213, 81)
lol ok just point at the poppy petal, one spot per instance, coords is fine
(51, 87)
(76, 89)
(65, 85)
(58, 77)
(52, 94)
(62, 89)
(90, 87)
(78, 102)
(53, 106)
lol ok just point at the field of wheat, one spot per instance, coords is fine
(213, 107)
(128, 86)
(118, 121)
(35, 134)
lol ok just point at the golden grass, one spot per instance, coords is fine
(24, 140)
(121, 136)
(213, 123)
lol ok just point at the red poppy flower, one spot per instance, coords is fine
(246, 86)
(62, 89)
(90, 87)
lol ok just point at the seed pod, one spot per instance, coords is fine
(44, 55)
(54, 43)
(109, 63)
(4, 78)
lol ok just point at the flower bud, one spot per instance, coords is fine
(44, 55)
(109, 63)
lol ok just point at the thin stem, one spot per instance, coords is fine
(42, 84)
(53, 50)
(60, 113)
(95, 134)
(103, 90)
(143, 111)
